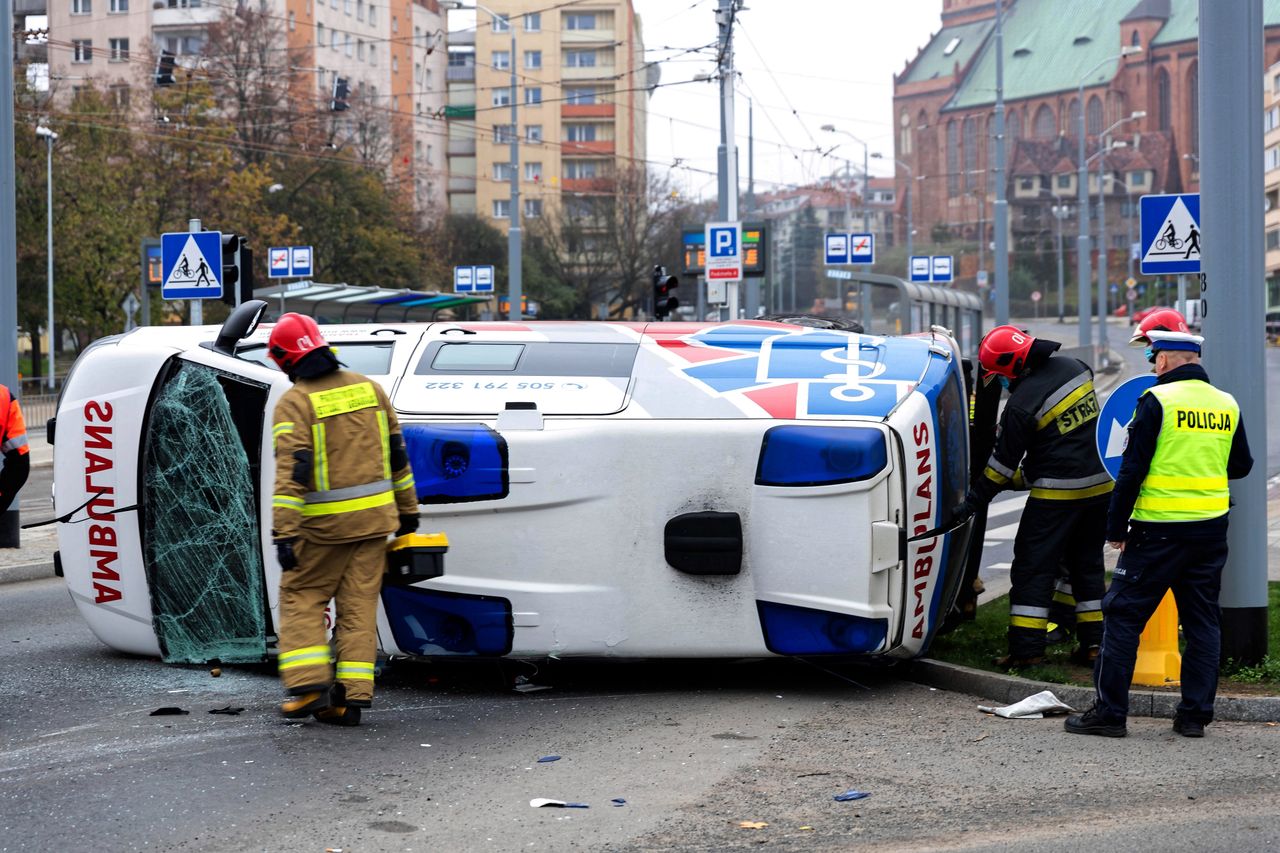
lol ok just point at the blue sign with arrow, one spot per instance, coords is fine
(1113, 420)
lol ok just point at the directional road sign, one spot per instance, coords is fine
(191, 265)
(920, 267)
(862, 248)
(942, 268)
(1170, 233)
(1113, 420)
(724, 251)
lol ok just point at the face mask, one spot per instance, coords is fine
(1004, 382)
(1150, 354)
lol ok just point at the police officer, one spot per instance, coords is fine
(1168, 518)
(342, 478)
(1047, 428)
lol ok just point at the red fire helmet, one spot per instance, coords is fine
(1003, 351)
(294, 336)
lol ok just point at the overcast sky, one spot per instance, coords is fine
(805, 63)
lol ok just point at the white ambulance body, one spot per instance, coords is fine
(621, 490)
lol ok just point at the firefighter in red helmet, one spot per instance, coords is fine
(1046, 441)
(342, 484)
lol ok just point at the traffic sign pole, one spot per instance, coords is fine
(1235, 349)
(197, 306)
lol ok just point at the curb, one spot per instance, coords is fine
(26, 572)
(1007, 689)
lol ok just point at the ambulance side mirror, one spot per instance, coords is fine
(240, 324)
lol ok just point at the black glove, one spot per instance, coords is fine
(963, 511)
(284, 554)
(408, 524)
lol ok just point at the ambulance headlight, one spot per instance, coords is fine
(820, 455)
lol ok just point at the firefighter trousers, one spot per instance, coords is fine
(1057, 535)
(350, 573)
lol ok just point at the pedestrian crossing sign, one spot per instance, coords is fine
(191, 265)
(1170, 233)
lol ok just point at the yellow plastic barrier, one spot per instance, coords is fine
(1159, 662)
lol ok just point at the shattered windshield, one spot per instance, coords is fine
(203, 559)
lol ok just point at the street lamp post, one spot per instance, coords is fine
(1082, 180)
(1107, 146)
(863, 307)
(910, 185)
(49, 137)
(1060, 212)
(515, 255)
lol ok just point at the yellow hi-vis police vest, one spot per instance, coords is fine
(1187, 480)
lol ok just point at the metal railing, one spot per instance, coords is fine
(38, 408)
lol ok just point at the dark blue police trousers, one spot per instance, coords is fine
(1152, 563)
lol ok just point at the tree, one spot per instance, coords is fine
(99, 216)
(362, 232)
(259, 84)
(601, 244)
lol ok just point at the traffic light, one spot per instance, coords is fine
(341, 93)
(237, 270)
(164, 68)
(664, 301)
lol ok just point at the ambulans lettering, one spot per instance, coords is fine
(921, 521)
(99, 484)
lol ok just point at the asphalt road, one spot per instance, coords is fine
(448, 760)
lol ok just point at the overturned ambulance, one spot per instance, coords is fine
(608, 489)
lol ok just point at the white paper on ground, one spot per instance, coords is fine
(1032, 708)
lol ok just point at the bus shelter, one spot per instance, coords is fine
(889, 305)
(350, 303)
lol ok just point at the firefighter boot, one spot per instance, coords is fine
(305, 702)
(339, 712)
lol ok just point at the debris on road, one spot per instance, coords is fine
(618, 801)
(524, 685)
(543, 802)
(216, 672)
(229, 711)
(752, 824)
(547, 759)
(1032, 708)
(168, 711)
(851, 795)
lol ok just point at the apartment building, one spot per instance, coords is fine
(581, 98)
(1271, 179)
(390, 53)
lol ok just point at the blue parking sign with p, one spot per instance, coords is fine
(724, 242)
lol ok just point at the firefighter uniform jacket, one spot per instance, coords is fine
(1048, 428)
(342, 473)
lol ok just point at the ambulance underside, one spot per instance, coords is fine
(596, 528)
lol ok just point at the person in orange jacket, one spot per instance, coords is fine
(343, 483)
(14, 447)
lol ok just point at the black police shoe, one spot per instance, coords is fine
(1090, 723)
(1188, 728)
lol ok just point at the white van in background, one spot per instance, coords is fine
(1191, 310)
